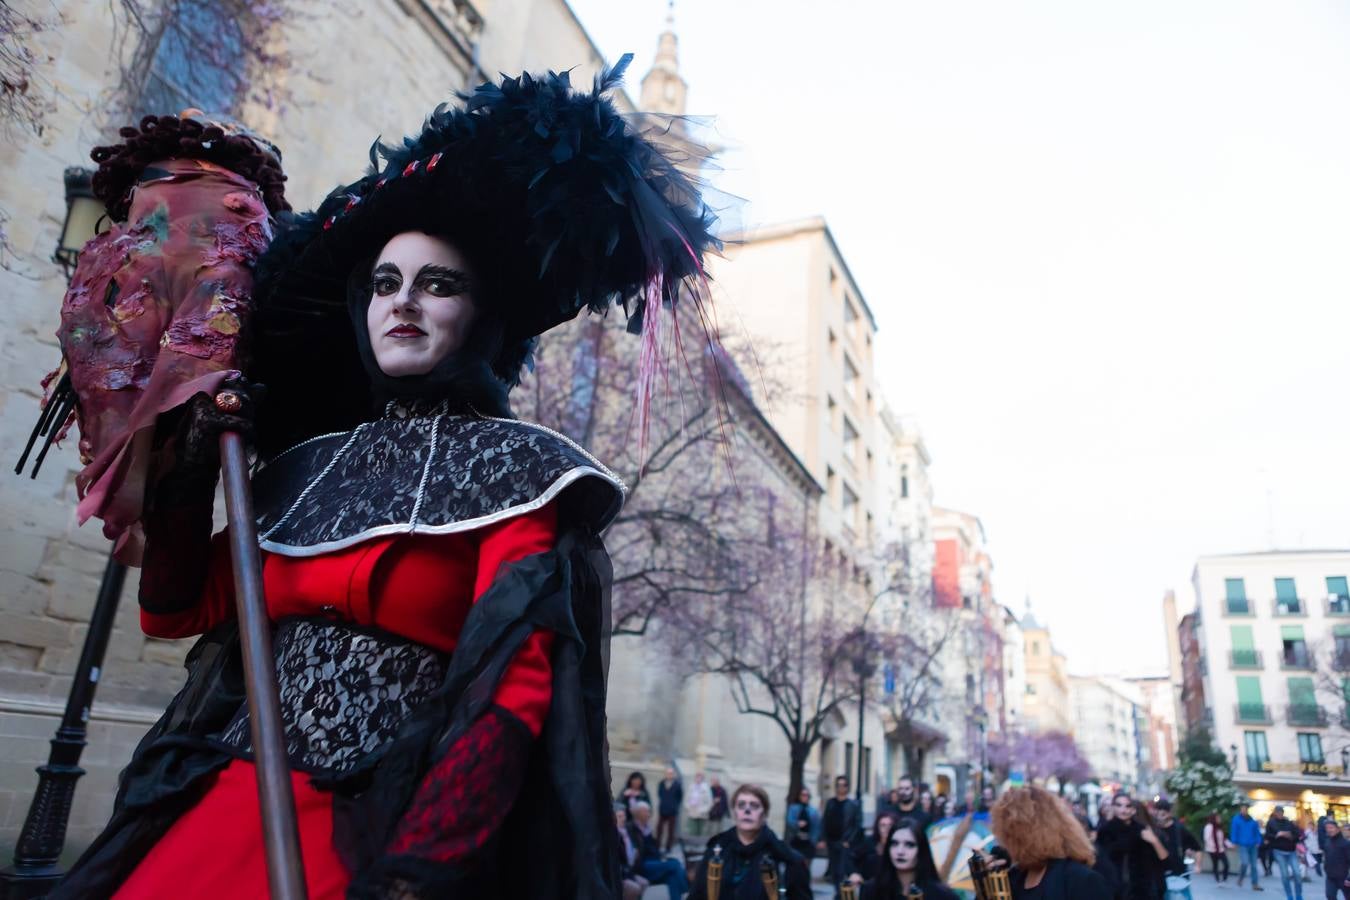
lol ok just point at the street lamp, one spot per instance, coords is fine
(83, 213)
(864, 669)
(1232, 757)
(38, 851)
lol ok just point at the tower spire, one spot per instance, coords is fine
(663, 90)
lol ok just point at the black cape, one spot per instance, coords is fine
(564, 812)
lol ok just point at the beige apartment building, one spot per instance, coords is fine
(1046, 705)
(358, 70)
(1273, 653)
(792, 293)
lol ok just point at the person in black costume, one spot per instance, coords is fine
(842, 825)
(1135, 849)
(908, 864)
(869, 856)
(1051, 855)
(747, 850)
(416, 775)
(1335, 859)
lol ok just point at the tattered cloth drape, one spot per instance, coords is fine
(156, 312)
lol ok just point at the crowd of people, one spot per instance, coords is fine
(1049, 849)
(1306, 851)
(1134, 850)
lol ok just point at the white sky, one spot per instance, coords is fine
(1108, 249)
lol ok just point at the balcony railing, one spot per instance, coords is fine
(1237, 607)
(1336, 605)
(1253, 714)
(1245, 659)
(1308, 714)
(1297, 658)
(1290, 606)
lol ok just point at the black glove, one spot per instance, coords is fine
(204, 421)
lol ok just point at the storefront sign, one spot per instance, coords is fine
(1303, 768)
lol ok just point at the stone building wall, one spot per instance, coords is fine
(360, 70)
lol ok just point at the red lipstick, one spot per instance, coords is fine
(404, 330)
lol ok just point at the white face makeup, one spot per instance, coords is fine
(904, 850)
(420, 306)
(748, 812)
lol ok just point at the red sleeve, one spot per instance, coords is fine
(215, 606)
(527, 684)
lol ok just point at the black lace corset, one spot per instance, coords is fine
(344, 692)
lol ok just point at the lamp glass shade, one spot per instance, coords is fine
(82, 216)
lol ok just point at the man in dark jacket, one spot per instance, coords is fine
(1175, 837)
(1335, 860)
(907, 802)
(842, 823)
(749, 852)
(1283, 836)
(669, 796)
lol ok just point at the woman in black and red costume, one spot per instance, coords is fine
(433, 566)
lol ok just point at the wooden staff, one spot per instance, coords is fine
(281, 836)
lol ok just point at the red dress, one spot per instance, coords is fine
(418, 586)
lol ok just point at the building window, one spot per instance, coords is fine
(1338, 594)
(1251, 706)
(1031, 688)
(1340, 660)
(1294, 649)
(1258, 754)
(1303, 708)
(834, 277)
(850, 314)
(904, 482)
(831, 408)
(1245, 654)
(1310, 753)
(834, 344)
(1286, 598)
(850, 507)
(1235, 592)
(850, 378)
(1035, 648)
(850, 441)
(182, 75)
(848, 762)
(831, 483)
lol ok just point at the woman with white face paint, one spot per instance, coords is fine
(433, 567)
(908, 867)
(748, 853)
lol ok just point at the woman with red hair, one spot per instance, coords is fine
(1051, 855)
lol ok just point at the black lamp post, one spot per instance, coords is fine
(1232, 759)
(36, 856)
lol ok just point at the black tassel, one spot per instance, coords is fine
(50, 421)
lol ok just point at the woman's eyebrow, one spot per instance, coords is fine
(430, 270)
(386, 268)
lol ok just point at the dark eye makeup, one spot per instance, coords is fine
(437, 281)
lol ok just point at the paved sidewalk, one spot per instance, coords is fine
(1204, 888)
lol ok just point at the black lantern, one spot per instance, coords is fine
(83, 214)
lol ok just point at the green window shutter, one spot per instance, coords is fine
(1249, 690)
(1234, 589)
(1242, 637)
(1284, 589)
(1301, 692)
(1340, 631)
(1345, 690)
(1291, 632)
(1337, 585)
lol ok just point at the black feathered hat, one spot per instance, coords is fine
(559, 202)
